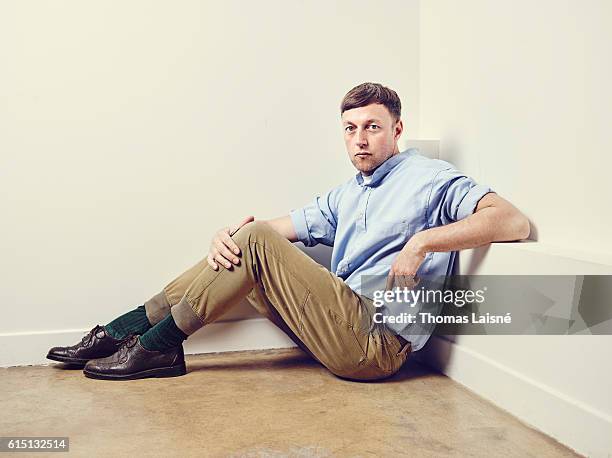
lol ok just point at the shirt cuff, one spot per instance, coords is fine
(470, 201)
(298, 217)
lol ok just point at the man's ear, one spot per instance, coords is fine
(398, 129)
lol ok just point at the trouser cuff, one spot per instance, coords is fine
(157, 308)
(185, 318)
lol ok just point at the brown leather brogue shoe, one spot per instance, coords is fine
(133, 361)
(96, 344)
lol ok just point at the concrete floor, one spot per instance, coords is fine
(271, 403)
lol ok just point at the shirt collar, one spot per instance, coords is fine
(384, 168)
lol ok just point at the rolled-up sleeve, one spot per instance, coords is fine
(316, 222)
(454, 196)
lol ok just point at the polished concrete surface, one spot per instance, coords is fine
(271, 403)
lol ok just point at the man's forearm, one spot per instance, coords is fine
(284, 226)
(489, 224)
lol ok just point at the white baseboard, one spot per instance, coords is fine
(29, 348)
(571, 422)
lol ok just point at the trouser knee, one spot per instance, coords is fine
(254, 231)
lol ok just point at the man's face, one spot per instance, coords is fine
(371, 135)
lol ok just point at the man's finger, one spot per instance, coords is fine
(246, 220)
(400, 281)
(225, 251)
(224, 255)
(407, 281)
(390, 281)
(211, 263)
(227, 240)
(224, 262)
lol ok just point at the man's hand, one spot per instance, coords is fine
(406, 265)
(223, 249)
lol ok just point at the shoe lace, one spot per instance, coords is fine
(127, 343)
(86, 340)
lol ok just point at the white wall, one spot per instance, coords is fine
(131, 131)
(518, 94)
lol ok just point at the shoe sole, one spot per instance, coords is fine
(67, 360)
(158, 372)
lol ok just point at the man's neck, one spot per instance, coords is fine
(395, 153)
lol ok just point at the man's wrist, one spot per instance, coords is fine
(417, 243)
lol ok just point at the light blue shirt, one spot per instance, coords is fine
(369, 223)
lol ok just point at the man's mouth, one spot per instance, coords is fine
(363, 154)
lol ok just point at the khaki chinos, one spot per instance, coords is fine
(318, 311)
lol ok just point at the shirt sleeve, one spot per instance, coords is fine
(316, 222)
(454, 196)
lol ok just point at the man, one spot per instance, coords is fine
(401, 215)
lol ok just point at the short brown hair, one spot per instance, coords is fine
(367, 93)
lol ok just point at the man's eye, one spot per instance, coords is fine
(374, 126)
(348, 128)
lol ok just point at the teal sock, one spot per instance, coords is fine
(133, 322)
(163, 336)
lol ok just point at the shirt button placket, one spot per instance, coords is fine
(361, 214)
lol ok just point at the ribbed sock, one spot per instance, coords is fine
(133, 322)
(163, 336)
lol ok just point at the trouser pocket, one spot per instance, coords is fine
(348, 349)
(388, 353)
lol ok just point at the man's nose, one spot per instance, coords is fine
(361, 138)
